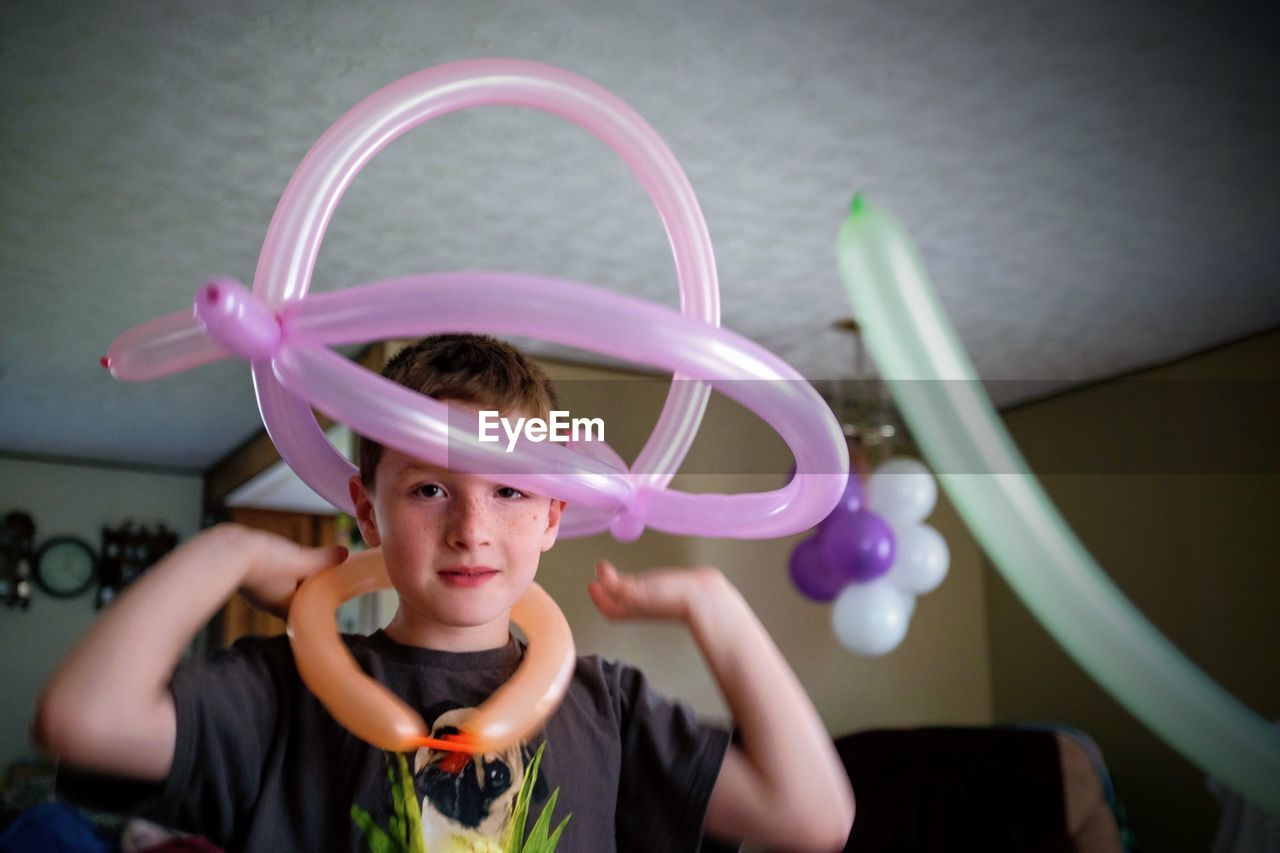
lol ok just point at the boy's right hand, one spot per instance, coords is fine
(276, 567)
(108, 707)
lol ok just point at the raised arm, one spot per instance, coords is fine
(107, 708)
(786, 785)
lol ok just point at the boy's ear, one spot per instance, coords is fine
(366, 518)
(553, 524)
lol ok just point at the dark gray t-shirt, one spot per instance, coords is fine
(260, 765)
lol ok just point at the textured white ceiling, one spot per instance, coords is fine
(1092, 184)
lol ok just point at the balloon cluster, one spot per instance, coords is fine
(873, 555)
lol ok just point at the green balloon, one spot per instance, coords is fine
(957, 427)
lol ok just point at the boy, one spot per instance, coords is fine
(237, 749)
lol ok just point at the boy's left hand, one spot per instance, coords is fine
(654, 594)
(786, 774)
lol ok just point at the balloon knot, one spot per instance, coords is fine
(629, 523)
(232, 316)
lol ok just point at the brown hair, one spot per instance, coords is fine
(475, 369)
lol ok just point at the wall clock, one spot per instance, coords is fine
(65, 566)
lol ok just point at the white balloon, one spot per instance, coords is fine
(902, 490)
(920, 561)
(871, 618)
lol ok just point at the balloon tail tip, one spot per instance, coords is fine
(858, 205)
(105, 362)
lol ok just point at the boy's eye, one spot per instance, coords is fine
(508, 492)
(430, 490)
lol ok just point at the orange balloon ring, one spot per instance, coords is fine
(516, 710)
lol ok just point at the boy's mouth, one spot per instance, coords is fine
(467, 576)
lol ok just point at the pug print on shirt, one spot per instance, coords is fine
(453, 802)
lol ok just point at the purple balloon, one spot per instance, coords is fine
(858, 547)
(811, 575)
(851, 501)
(854, 498)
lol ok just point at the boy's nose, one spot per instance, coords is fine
(469, 524)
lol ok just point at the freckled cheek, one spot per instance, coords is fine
(532, 522)
(507, 527)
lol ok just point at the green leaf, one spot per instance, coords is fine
(396, 821)
(555, 836)
(409, 808)
(378, 841)
(515, 828)
(538, 841)
(404, 826)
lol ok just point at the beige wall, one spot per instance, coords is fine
(74, 500)
(1195, 552)
(938, 675)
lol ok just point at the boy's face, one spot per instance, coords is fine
(460, 550)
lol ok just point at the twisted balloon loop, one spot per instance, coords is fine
(286, 336)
